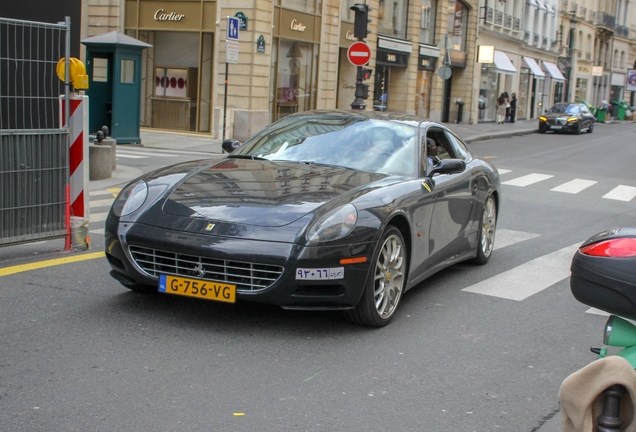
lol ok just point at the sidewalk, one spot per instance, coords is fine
(201, 143)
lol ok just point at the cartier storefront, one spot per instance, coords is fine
(178, 70)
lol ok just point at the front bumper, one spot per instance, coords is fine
(559, 126)
(287, 290)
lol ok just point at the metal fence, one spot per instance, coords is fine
(34, 168)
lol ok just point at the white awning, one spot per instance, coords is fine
(618, 79)
(503, 63)
(541, 6)
(554, 71)
(534, 67)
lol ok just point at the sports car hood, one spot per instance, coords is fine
(261, 192)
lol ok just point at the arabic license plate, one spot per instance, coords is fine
(556, 127)
(217, 291)
(320, 273)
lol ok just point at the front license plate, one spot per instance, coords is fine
(320, 273)
(218, 291)
(556, 127)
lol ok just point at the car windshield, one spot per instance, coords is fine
(349, 141)
(565, 109)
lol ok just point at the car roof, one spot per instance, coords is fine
(374, 115)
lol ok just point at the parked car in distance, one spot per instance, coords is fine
(322, 210)
(573, 117)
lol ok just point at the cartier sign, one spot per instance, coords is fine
(162, 15)
(297, 26)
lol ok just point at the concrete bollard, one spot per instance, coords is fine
(99, 162)
(112, 143)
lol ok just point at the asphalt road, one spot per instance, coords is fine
(80, 352)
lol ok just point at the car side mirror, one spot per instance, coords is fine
(448, 166)
(229, 145)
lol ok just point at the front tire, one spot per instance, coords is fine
(487, 231)
(591, 129)
(385, 284)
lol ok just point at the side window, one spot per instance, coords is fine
(458, 146)
(584, 109)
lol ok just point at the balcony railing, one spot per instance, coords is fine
(535, 39)
(591, 16)
(588, 56)
(499, 18)
(489, 14)
(526, 36)
(544, 43)
(516, 24)
(605, 20)
(508, 21)
(622, 31)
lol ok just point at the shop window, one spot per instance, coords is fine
(393, 17)
(295, 69)
(457, 24)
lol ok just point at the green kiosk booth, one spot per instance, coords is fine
(113, 64)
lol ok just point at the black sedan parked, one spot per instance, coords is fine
(322, 210)
(567, 117)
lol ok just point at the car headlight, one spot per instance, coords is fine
(573, 119)
(543, 119)
(334, 225)
(130, 198)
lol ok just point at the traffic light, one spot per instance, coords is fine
(366, 73)
(362, 91)
(361, 20)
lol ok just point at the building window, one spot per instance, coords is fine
(457, 24)
(346, 14)
(307, 6)
(393, 17)
(427, 22)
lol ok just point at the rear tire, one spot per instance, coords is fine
(385, 283)
(487, 231)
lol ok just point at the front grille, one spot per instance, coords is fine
(246, 276)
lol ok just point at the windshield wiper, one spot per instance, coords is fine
(240, 156)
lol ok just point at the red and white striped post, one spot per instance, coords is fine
(78, 205)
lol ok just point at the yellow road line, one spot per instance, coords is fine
(49, 263)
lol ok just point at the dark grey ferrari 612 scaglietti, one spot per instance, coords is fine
(322, 210)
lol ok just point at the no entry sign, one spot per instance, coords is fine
(359, 53)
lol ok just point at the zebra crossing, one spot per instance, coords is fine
(625, 193)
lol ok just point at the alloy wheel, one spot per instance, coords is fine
(389, 276)
(488, 227)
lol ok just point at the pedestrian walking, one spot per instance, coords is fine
(501, 109)
(513, 108)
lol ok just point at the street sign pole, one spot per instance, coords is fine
(359, 55)
(231, 56)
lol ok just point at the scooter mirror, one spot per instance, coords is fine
(619, 332)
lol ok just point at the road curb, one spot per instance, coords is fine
(493, 135)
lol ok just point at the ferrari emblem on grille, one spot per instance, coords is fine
(200, 270)
(210, 227)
